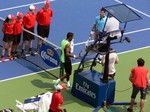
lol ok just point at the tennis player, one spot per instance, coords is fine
(65, 59)
(57, 99)
(17, 34)
(8, 30)
(44, 16)
(29, 21)
(98, 26)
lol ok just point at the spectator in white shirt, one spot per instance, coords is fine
(113, 59)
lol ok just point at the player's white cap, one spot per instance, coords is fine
(60, 86)
(19, 14)
(32, 7)
(10, 16)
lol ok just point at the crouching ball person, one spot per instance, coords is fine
(139, 79)
(57, 99)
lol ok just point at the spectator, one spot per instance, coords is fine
(113, 59)
(29, 21)
(57, 99)
(44, 16)
(139, 79)
(17, 34)
(8, 30)
(65, 59)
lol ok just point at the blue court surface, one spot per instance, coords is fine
(78, 17)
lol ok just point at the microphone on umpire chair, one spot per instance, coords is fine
(127, 39)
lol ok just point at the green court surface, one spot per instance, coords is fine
(25, 87)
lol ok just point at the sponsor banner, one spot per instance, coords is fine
(88, 87)
(49, 56)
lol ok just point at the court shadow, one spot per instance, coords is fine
(46, 75)
(40, 84)
(116, 109)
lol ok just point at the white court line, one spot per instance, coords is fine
(73, 64)
(127, 33)
(20, 6)
(134, 9)
(134, 50)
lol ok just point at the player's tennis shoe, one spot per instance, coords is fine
(129, 110)
(3, 59)
(31, 53)
(55, 82)
(10, 58)
(23, 55)
(68, 85)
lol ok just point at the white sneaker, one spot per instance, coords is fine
(68, 85)
(55, 83)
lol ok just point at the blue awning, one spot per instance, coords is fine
(122, 12)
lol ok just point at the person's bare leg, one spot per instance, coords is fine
(4, 47)
(95, 37)
(132, 103)
(141, 105)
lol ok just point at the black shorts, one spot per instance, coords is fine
(135, 91)
(27, 36)
(8, 38)
(68, 68)
(43, 31)
(112, 75)
(50, 110)
(17, 39)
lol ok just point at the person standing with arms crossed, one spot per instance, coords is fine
(65, 59)
(139, 78)
(44, 16)
(29, 21)
(8, 30)
(57, 99)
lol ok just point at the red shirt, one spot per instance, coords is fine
(44, 16)
(18, 26)
(29, 20)
(8, 28)
(57, 100)
(139, 76)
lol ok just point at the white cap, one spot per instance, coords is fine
(9, 16)
(19, 14)
(32, 7)
(60, 86)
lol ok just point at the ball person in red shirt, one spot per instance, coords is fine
(8, 30)
(17, 34)
(44, 16)
(57, 99)
(139, 79)
(29, 21)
